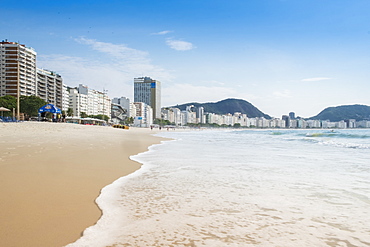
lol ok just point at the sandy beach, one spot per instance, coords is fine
(51, 174)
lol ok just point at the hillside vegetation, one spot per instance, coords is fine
(338, 113)
(228, 106)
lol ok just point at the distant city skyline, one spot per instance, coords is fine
(280, 55)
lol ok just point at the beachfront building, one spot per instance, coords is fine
(148, 91)
(240, 118)
(201, 118)
(132, 112)
(49, 87)
(212, 118)
(341, 124)
(173, 115)
(286, 119)
(77, 101)
(276, 123)
(326, 124)
(251, 122)
(17, 69)
(98, 103)
(293, 123)
(313, 123)
(65, 98)
(262, 122)
(363, 124)
(123, 102)
(351, 123)
(177, 116)
(144, 115)
(189, 116)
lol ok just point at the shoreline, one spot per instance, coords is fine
(52, 173)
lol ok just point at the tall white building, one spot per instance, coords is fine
(17, 69)
(77, 101)
(148, 91)
(65, 98)
(201, 118)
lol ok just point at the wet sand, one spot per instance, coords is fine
(51, 174)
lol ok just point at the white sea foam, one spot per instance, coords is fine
(244, 188)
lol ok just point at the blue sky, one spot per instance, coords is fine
(280, 55)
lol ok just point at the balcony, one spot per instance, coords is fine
(11, 52)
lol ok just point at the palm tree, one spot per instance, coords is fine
(70, 112)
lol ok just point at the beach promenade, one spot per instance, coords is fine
(51, 174)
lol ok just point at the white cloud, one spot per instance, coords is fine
(282, 94)
(115, 69)
(179, 45)
(162, 32)
(117, 51)
(316, 79)
(214, 82)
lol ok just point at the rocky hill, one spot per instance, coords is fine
(334, 114)
(228, 106)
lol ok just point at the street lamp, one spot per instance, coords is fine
(104, 99)
(18, 85)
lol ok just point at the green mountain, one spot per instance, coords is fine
(338, 113)
(228, 106)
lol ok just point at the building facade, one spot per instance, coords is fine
(148, 91)
(98, 103)
(124, 103)
(49, 87)
(65, 98)
(17, 69)
(77, 101)
(144, 115)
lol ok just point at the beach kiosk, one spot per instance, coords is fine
(49, 108)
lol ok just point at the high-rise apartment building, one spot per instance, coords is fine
(17, 69)
(50, 87)
(148, 91)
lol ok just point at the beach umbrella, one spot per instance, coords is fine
(3, 109)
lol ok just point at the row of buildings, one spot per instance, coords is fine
(19, 76)
(197, 115)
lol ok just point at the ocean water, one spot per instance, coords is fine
(242, 188)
